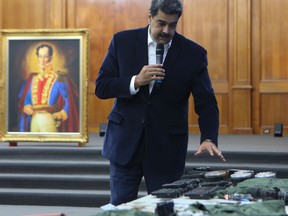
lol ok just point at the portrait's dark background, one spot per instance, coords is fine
(23, 61)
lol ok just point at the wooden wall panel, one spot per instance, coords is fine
(273, 107)
(103, 18)
(98, 17)
(1, 16)
(131, 14)
(206, 22)
(240, 67)
(270, 64)
(223, 28)
(274, 43)
(21, 14)
(250, 83)
(57, 14)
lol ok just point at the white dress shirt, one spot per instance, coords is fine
(151, 60)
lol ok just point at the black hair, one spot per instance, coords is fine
(167, 6)
(42, 46)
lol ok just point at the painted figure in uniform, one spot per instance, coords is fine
(44, 97)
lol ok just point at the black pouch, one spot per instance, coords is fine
(223, 183)
(202, 192)
(168, 192)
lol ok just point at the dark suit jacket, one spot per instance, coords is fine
(163, 114)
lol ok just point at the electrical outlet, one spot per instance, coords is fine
(266, 131)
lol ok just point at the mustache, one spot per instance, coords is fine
(165, 35)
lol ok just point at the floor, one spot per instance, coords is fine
(265, 143)
(6, 210)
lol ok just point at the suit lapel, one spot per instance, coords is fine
(142, 55)
(142, 48)
(170, 60)
(172, 54)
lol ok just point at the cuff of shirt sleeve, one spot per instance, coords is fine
(133, 91)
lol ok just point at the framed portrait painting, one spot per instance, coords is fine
(44, 81)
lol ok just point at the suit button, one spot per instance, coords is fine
(143, 121)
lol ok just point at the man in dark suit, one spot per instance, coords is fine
(147, 133)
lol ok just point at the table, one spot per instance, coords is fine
(148, 203)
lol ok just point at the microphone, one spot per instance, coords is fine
(159, 53)
(159, 56)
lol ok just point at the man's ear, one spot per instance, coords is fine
(149, 17)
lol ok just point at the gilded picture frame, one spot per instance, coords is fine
(44, 85)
